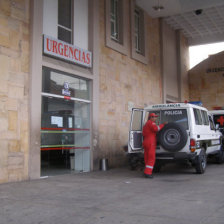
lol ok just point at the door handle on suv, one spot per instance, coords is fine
(198, 136)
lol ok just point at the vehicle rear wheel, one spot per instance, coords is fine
(220, 157)
(201, 162)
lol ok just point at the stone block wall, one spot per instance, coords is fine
(207, 82)
(125, 81)
(14, 73)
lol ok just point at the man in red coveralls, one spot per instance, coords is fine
(150, 130)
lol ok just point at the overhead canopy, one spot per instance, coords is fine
(201, 21)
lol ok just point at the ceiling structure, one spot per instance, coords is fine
(201, 21)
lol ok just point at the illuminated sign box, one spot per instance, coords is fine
(68, 52)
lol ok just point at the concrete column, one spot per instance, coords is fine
(35, 87)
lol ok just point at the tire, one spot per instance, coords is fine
(220, 157)
(173, 137)
(201, 162)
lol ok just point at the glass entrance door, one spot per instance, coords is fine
(65, 124)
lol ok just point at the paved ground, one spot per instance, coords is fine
(117, 196)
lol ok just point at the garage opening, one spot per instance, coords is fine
(199, 53)
(65, 123)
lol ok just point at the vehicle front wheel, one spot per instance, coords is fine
(201, 162)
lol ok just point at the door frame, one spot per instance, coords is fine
(135, 135)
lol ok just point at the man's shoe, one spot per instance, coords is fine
(148, 175)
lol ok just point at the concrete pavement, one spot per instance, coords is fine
(118, 196)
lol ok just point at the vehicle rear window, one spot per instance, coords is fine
(178, 116)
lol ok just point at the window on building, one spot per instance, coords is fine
(138, 24)
(65, 20)
(116, 25)
(114, 20)
(139, 31)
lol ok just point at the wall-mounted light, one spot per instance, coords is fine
(158, 7)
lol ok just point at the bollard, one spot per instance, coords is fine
(104, 164)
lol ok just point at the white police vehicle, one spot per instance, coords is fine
(190, 134)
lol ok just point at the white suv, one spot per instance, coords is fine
(190, 134)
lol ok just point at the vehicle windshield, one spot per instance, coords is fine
(178, 116)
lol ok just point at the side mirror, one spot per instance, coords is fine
(217, 126)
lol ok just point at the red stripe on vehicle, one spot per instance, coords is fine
(63, 148)
(67, 129)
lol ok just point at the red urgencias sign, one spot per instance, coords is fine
(61, 49)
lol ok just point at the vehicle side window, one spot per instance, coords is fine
(197, 116)
(212, 126)
(204, 117)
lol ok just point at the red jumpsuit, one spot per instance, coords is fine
(149, 143)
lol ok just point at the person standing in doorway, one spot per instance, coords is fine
(150, 130)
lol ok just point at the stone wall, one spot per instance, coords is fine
(208, 85)
(14, 72)
(125, 81)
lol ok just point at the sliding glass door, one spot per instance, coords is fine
(65, 123)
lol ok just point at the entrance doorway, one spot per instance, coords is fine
(65, 123)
